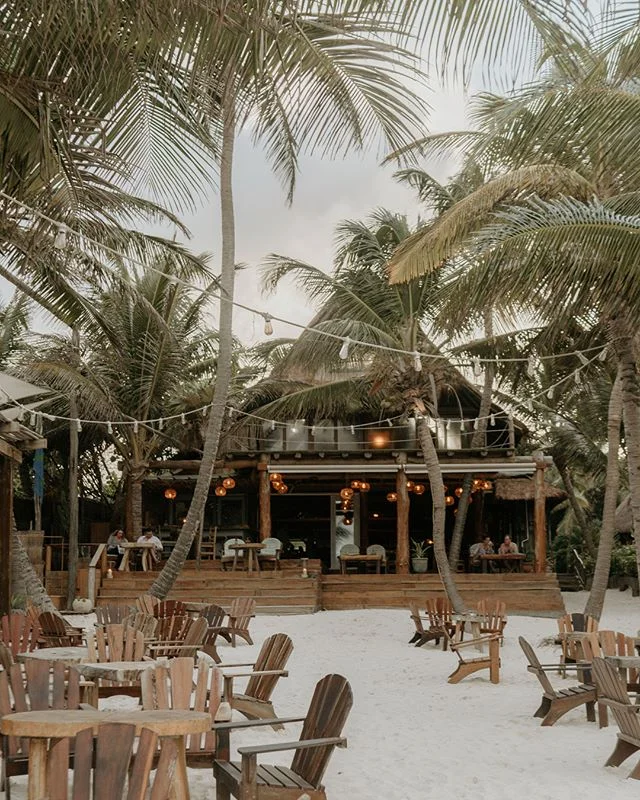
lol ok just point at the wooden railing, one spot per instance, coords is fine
(99, 561)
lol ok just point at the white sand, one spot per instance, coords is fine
(412, 735)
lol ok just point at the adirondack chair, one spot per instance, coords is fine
(440, 616)
(215, 616)
(188, 639)
(55, 632)
(6, 656)
(229, 556)
(143, 622)
(269, 667)
(270, 554)
(378, 550)
(147, 603)
(112, 614)
(612, 692)
(321, 733)
(119, 770)
(19, 633)
(241, 612)
(114, 643)
(417, 619)
(171, 686)
(555, 703)
(38, 686)
(170, 608)
(493, 616)
(572, 623)
(467, 666)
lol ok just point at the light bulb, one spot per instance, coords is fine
(492, 420)
(78, 425)
(603, 354)
(344, 350)
(531, 367)
(550, 394)
(417, 363)
(60, 241)
(476, 367)
(135, 426)
(529, 405)
(389, 423)
(109, 427)
(183, 419)
(268, 326)
(160, 424)
(583, 359)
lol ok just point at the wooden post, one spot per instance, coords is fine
(402, 524)
(72, 561)
(264, 500)
(539, 516)
(6, 516)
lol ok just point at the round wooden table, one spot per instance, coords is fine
(40, 726)
(68, 655)
(253, 550)
(119, 671)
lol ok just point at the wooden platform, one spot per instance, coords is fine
(538, 595)
(288, 592)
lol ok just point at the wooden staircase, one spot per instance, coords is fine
(538, 595)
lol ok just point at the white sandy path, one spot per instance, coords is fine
(412, 735)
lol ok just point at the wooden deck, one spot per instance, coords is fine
(288, 592)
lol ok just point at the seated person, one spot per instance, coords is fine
(508, 547)
(114, 546)
(483, 548)
(149, 536)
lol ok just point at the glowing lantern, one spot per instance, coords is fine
(229, 483)
(346, 493)
(364, 486)
(418, 488)
(449, 500)
(487, 486)
(410, 486)
(275, 477)
(170, 494)
(457, 491)
(392, 497)
(220, 491)
(283, 488)
(347, 521)
(356, 485)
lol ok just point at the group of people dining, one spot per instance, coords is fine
(117, 540)
(486, 548)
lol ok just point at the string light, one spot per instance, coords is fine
(78, 426)
(160, 424)
(492, 420)
(531, 367)
(477, 369)
(60, 240)
(268, 326)
(417, 363)
(344, 350)
(389, 423)
(135, 426)
(109, 427)
(183, 419)
(583, 359)
(603, 354)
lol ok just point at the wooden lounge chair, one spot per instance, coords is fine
(143, 622)
(270, 553)
(171, 686)
(417, 619)
(215, 616)
(19, 632)
(494, 618)
(187, 639)
(241, 612)
(440, 617)
(467, 666)
(39, 686)
(170, 608)
(555, 703)
(269, 667)
(112, 614)
(147, 603)
(321, 733)
(114, 643)
(573, 623)
(612, 692)
(55, 632)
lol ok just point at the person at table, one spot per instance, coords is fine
(508, 548)
(114, 546)
(483, 548)
(148, 536)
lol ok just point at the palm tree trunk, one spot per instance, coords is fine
(164, 582)
(478, 441)
(134, 505)
(72, 556)
(595, 602)
(439, 507)
(625, 350)
(24, 581)
(581, 517)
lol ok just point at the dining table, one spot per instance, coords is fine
(252, 550)
(67, 655)
(49, 730)
(147, 557)
(360, 558)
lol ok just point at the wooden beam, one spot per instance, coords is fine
(6, 519)
(10, 427)
(402, 523)
(264, 501)
(10, 451)
(34, 444)
(540, 518)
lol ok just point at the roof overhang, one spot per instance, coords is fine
(507, 468)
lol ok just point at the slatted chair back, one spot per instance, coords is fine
(112, 614)
(414, 612)
(54, 632)
(535, 666)
(493, 615)
(614, 643)
(588, 647)
(440, 611)
(172, 687)
(143, 622)
(576, 623)
(349, 550)
(611, 686)
(38, 686)
(327, 714)
(116, 643)
(171, 629)
(6, 656)
(241, 612)
(170, 608)
(273, 656)
(19, 632)
(189, 640)
(147, 603)
(109, 766)
(215, 615)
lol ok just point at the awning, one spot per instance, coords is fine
(498, 468)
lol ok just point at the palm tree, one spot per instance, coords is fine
(356, 302)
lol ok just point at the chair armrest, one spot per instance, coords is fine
(282, 672)
(606, 701)
(243, 664)
(305, 744)
(469, 642)
(254, 723)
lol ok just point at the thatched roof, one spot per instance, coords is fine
(624, 518)
(524, 489)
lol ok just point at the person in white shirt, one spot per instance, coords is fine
(149, 536)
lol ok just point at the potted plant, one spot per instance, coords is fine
(419, 555)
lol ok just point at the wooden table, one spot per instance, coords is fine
(511, 559)
(40, 726)
(474, 621)
(624, 662)
(118, 671)
(375, 558)
(253, 550)
(146, 548)
(68, 655)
